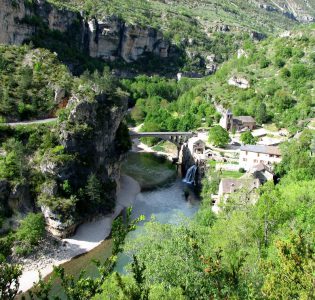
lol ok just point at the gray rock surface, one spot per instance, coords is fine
(109, 39)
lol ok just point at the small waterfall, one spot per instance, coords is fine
(190, 175)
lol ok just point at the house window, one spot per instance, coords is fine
(257, 154)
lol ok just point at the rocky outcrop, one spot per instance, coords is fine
(14, 198)
(89, 146)
(109, 39)
(239, 82)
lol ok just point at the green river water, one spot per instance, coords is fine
(162, 196)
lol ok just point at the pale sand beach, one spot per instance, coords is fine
(87, 237)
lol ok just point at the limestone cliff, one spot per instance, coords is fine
(109, 38)
(112, 38)
(90, 140)
(19, 20)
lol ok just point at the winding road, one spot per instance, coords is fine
(26, 123)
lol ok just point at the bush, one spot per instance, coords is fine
(9, 280)
(285, 73)
(31, 230)
(241, 170)
(300, 71)
(5, 247)
(264, 63)
(279, 62)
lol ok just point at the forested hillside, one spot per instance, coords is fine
(280, 76)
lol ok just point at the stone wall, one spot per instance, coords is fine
(109, 38)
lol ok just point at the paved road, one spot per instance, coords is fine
(31, 122)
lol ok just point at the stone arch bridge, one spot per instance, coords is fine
(177, 138)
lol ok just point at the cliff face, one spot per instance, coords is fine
(112, 38)
(89, 137)
(19, 23)
(108, 39)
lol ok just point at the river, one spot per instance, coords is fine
(164, 196)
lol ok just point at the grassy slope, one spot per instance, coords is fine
(236, 12)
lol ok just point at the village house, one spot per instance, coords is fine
(262, 172)
(229, 185)
(229, 122)
(252, 155)
(196, 146)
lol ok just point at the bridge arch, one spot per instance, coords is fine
(177, 138)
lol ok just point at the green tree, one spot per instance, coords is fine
(9, 280)
(218, 136)
(94, 189)
(261, 113)
(291, 274)
(247, 138)
(14, 163)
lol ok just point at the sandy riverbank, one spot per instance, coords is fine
(87, 237)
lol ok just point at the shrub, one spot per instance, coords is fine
(241, 170)
(9, 280)
(279, 62)
(31, 230)
(300, 71)
(6, 246)
(264, 63)
(285, 73)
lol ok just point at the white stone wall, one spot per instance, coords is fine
(248, 159)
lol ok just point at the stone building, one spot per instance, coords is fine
(196, 146)
(229, 122)
(228, 186)
(252, 155)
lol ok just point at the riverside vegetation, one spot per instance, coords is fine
(260, 251)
